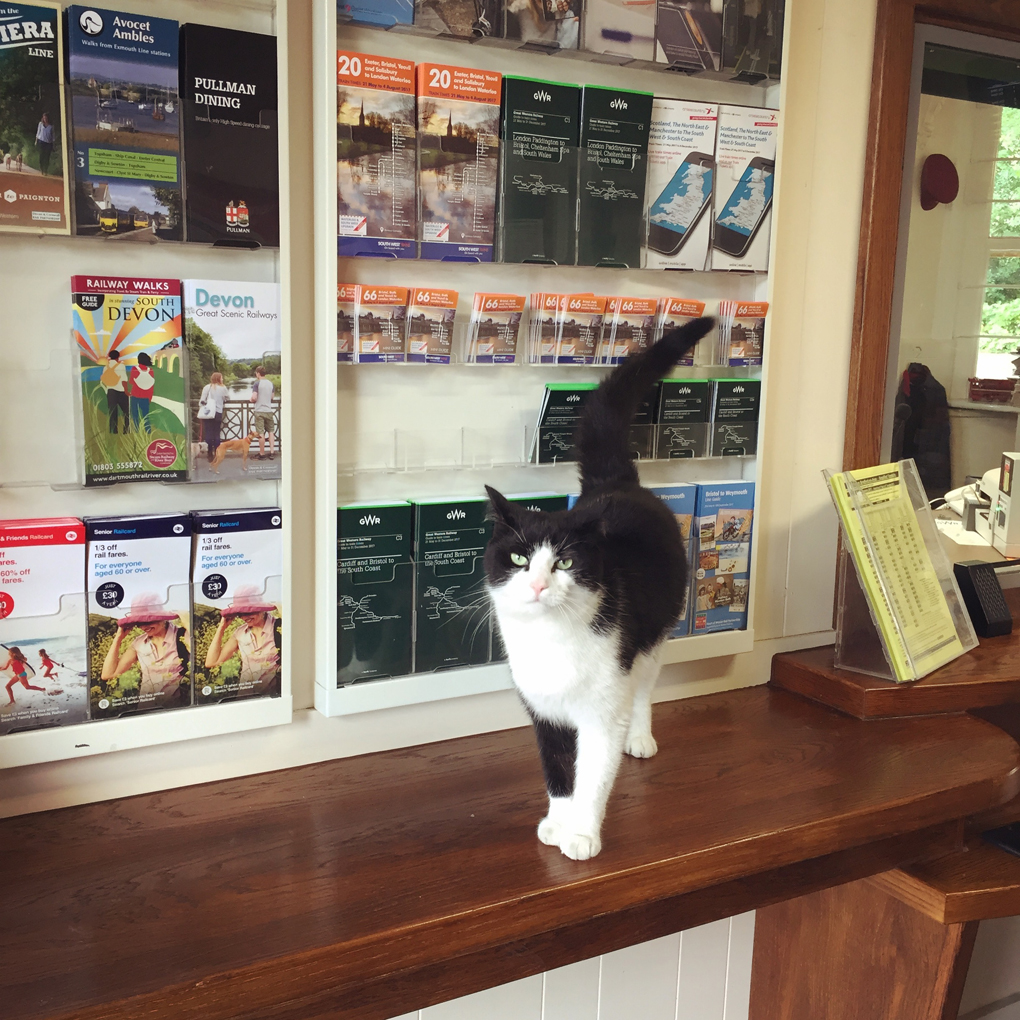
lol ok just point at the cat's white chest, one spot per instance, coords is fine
(558, 662)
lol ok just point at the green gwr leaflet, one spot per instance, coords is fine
(375, 591)
(685, 406)
(541, 130)
(611, 197)
(557, 421)
(735, 417)
(451, 609)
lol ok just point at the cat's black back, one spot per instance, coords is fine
(624, 540)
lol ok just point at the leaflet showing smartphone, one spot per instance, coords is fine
(745, 175)
(681, 171)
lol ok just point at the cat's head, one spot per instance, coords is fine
(538, 562)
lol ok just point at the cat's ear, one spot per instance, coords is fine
(501, 510)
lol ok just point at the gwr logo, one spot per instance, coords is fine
(370, 519)
(619, 104)
(542, 96)
(573, 398)
(684, 390)
(738, 389)
(456, 515)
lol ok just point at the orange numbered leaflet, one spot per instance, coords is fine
(675, 312)
(495, 324)
(381, 314)
(375, 144)
(458, 138)
(742, 331)
(631, 324)
(430, 319)
(346, 311)
(582, 317)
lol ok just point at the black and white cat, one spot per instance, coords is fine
(585, 598)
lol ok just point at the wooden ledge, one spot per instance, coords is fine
(973, 884)
(986, 676)
(368, 886)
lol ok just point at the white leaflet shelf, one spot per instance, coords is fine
(40, 448)
(404, 432)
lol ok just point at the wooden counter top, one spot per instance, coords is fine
(984, 677)
(972, 884)
(368, 886)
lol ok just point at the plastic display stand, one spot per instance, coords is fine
(860, 644)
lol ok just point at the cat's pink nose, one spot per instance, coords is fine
(538, 586)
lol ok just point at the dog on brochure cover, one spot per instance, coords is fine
(584, 599)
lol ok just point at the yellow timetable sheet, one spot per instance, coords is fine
(896, 570)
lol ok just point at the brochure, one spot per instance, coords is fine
(538, 195)
(430, 320)
(675, 312)
(495, 325)
(682, 419)
(614, 157)
(375, 156)
(912, 595)
(742, 332)
(735, 407)
(723, 529)
(458, 161)
(346, 319)
(581, 320)
(681, 168)
(232, 331)
(33, 149)
(380, 317)
(43, 658)
(688, 34)
(451, 607)
(237, 581)
(385, 13)
(745, 156)
(125, 119)
(375, 591)
(544, 24)
(681, 499)
(558, 419)
(629, 328)
(231, 157)
(139, 597)
(127, 333)
(475, 20)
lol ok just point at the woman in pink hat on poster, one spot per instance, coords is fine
(256, 638)
(161, 650)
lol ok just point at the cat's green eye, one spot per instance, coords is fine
(564, 564)
(518, 560)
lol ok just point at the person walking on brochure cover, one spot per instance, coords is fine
(256, 638)
(265, 420)
(143, 382)
(161, 650)
(115, 380)
(44, 143)
(213, 392)
(19, 668)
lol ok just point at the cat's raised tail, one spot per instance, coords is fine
(603, 434)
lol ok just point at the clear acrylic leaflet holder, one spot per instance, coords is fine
(859, 644)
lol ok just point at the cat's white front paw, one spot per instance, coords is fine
(641, 745)
(549, 831)
(580, 846)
